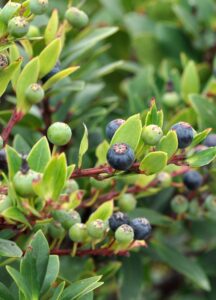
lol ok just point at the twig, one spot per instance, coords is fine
(15, 118)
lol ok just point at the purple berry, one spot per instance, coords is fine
(120, 156)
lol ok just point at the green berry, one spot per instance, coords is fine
(33, 31)
(96, 228)
(59, 134)
(210, 203)
(18, 27)
(171, 99)
(34, 93)
(194, 207)
(78, 233)
(56, 231)
(38, 7)
(23, 183)
(4, 62)
(179, 204)
(152, 134)
(124, 234)
(127, 202)
(1, 142)
(66, 218)
(76, 17)
(71, 186)
(8, 11)
(164, 179)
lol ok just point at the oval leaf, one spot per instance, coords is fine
(154, 162)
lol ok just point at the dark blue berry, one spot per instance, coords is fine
(3, 161)
(184, 133)
(112, 127)
(54, 71)
(192, 180)
(141, 227)
(210, 141)
(118, 219)
(120, 156)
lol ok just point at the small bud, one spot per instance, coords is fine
(34, 93)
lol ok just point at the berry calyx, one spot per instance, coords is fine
(96, 228)
(184, 133)
(4, 61)
(152, 134)
(53, 72)
(38, 7)
(192, 180)
(118, 219)
(59, 133)
(112, 127)
(124, 234)
(34, 93)
(120, 156)
(210, 141)
(127, 202)
(76, 17)
(18, 27)
(23, 183)
(66, 218)
(141, 227)
(179, 204)
(78, 233)
(171, 99)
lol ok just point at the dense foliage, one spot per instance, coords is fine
(107, 149)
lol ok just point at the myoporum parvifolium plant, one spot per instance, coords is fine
(107, 166)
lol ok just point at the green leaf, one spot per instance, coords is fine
(154, 162)
(15, 214)
(49, 56)
(202, 158)
(154, 116)
(5, 293)
(83, 146)
(78, 288)
(58, 291)
(181, 264)
(88, 296)
(101, 152)
(20, 144)
(129, 132)
(7, 74)
(169, 143)
(103, 212)
(199, 137)
(51, 273)
(52, 27)
(19, 280)
(14, 161)
(9, 249)
(190, 82)
(70, 170)
(59, 76)
(39, 156)
(28, 76)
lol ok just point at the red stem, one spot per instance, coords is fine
(15, 118)
(94, 252)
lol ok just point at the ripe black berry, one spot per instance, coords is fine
(184, 133)
(120, 156)
(112, 127)
(3, 161)
(118, 219)
(141, 227)
(210, 141)
(192, 180)
(54, 71)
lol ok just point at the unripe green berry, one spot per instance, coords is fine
(59, 133)
(76, 17)
(171, 99)
(210, 203)
(78, 233)
(18, 27)
(38, 7)
(124, 234)
(179, 204)
(8, 11)
(66, 218)
(127, 202)
(96, 228)
(164, 179)
(1, 142)
(71, 186)
(56, 230)
(152, 134)
(33, 31)
(4, 62)
(34, 93)
(23, 183)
